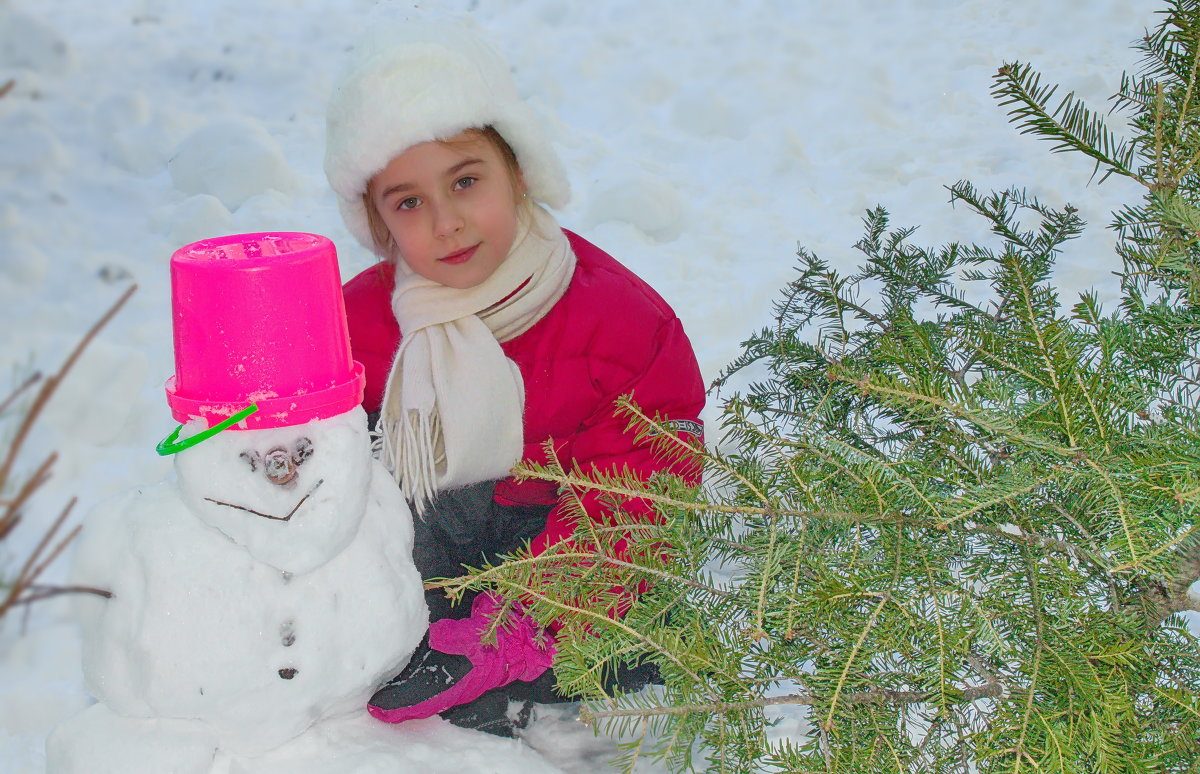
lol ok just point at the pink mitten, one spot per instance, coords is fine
(523, 651)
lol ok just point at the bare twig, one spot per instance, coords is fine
(47, 550)
(33, 379)
(290, 514)
(12, 510)
(34, 566)
(38, 593)
(7, 87)
(51, 384)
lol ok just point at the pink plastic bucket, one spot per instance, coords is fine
(259, 318)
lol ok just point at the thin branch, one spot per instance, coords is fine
(46, 551)
(551, 557)
(662, 574)
(51, 384)
(601, 618)
(32, 568)
(33, 379)
(1114, 600)
(12, 508)
(290, 514)
(1039, 541)
(46, 592)
(828, 722)
(993, 689)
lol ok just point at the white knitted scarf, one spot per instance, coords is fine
(454, 405)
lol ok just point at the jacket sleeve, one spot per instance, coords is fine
(374, 333)
(661, 374)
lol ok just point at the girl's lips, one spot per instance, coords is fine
(462, 256)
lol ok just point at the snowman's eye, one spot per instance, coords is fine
(252, 458)
(304, 450)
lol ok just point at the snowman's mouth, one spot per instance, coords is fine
(290, 513)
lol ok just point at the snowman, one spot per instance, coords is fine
(267, 589)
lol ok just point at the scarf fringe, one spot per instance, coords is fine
(409, 452)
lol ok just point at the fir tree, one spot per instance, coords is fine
(958, 528)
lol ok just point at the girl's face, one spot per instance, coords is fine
(451, 207)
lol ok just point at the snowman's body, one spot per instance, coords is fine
(248, 601)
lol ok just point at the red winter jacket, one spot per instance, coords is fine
(609, 335)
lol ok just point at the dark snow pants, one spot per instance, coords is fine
(467, 528)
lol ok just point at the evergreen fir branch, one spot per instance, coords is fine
(850, 660)
(625, 485)
(996, 494)
(964, 695)
(1166, 548)
(1127, 528)
(580, 612)
(994, 426)
(555, 555)
(1164, 58)
(1040, 541)
(999, 208)
(668, 444)
(1070, 126)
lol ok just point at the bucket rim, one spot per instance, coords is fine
(273, 411)
(203, 254)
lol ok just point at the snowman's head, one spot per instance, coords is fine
(291, 496)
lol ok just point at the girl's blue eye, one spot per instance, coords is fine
(464, 182)
(408, 204)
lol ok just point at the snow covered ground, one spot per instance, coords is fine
(704, 139)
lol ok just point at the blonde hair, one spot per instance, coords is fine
(381, 237)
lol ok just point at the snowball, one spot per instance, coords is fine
(128, 138)
(140, 150)
(231, 160)
(705, 114)
(649, 204)
(197, 217)
(121, 111)
(267, 211)
(30, 144)
(32, 44)
(23, 261)
(94, 402)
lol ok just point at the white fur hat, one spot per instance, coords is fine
(422, 81)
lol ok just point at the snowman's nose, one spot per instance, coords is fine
(278, 466)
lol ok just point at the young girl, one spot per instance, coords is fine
(485, 332)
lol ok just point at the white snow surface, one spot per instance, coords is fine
(704, 139)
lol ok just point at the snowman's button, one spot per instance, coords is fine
(288, 673)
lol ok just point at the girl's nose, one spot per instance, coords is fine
(448, 221)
